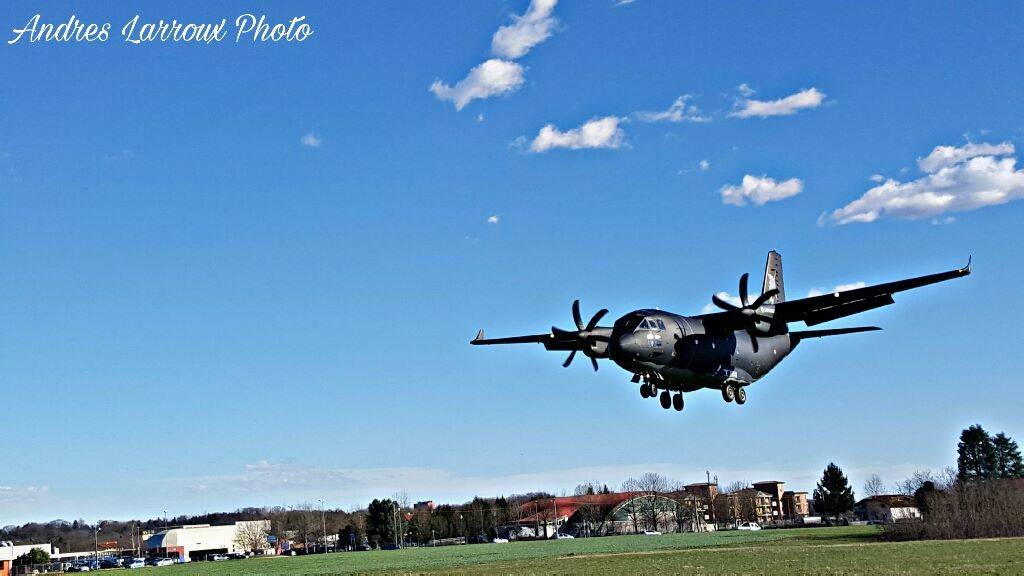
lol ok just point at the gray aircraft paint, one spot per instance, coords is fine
(724, 350)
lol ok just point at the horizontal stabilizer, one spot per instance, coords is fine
(804, 334)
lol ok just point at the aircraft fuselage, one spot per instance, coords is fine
(679, 354)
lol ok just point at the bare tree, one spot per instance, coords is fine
(632, 507)
(252, 536)
(874, 486)
(911, 484)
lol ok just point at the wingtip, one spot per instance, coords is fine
(479, 337)
(967, 269)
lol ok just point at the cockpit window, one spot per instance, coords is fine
(661, 325)
(643, 325)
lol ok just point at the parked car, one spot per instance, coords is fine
(753, 526)
(79, 568)
(136, 563)
(218, 557)
(499, 541)
(110, 562)
(561, 536)
(238, 555)
(652, 533)
(160, 561)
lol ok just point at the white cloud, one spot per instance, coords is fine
(956, 180)
(838, 288)
(679, 111)
(745, 90)
(877, 178)
(624, 2)
(493, 219)
(704, 165)
(526, 31)
(943, 221)
(596, 133)
(480, 117)
(311, 140)
(760, 190)
(945, 156)
(710, 307)
(805, 99)
(491, 78)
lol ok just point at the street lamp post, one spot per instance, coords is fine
(96, 543)
(323, 518)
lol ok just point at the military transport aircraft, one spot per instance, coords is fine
(725, 350)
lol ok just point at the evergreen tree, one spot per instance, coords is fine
(380, 521)
(833, 496)
(1007, 457)
(976, 454)
(33, 556)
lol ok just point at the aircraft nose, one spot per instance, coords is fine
(628, 344)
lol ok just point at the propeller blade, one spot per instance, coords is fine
(576, 314)
(594, 362)
(743, 288)
(764, 298)
(753, 340)
(569, 359)
(597, 318)
(722, 303)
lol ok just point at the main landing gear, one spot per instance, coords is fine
(732, 392)
(668, 400)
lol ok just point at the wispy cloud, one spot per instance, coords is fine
(311, 140)
(493, 219)
(747, 107)
(760, 190)
(956, 179)
(680, 111)
(518, 38)
(501, 76)
(704, 165)
(492, 78)
(596, 133)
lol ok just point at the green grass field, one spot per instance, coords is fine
(854, 550)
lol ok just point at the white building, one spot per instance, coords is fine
(888, 508)
(198, 541)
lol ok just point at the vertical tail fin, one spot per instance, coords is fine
(773, 277)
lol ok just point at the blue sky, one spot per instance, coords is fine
(245, 274)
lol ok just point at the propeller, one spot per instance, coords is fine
(748, 312)
(582, 333)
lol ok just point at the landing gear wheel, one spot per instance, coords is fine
(666, 400)
(653, 389)
(645, 391)
(728, 392)
(741, 396)
(677, 401)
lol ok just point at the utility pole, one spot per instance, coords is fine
(394, 518)
(96, 542)
(711, 500)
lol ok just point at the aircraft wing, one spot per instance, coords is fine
(542, 338)
(818, 309)
(549, 341)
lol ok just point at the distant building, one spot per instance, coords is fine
(785, 505)
(197, 541)
(9, 552)
(752, 504)
(426, 505)
(887, 508)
